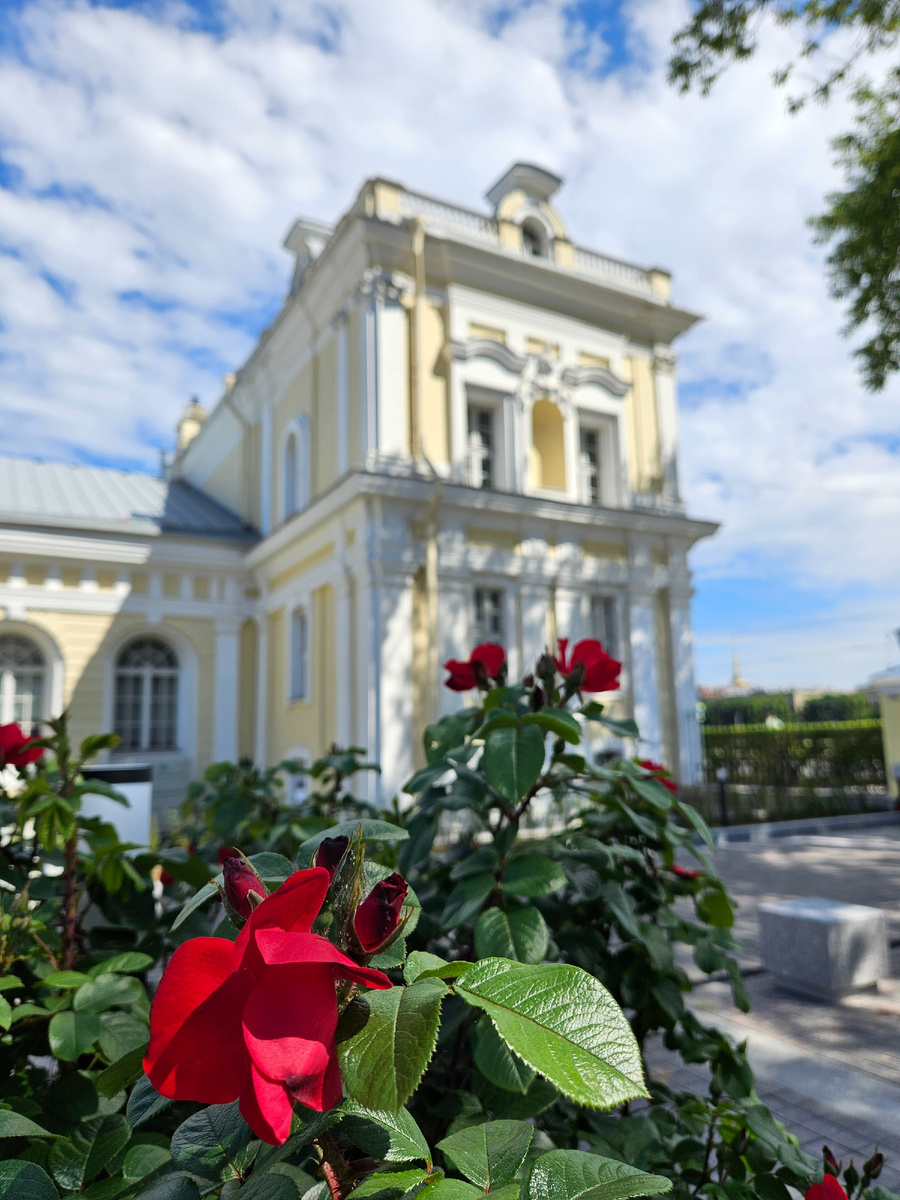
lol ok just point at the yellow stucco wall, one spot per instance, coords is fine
(306, 724)
(435, 390)
(247, 692)
(548, 457)
(890, 733)
(87, 641)
(642, 427)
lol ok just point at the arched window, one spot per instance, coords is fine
(291, 489)
(299, 655)
(534, 239)
(23, 678)
(295, 469)
(146, 711)
(548, 459)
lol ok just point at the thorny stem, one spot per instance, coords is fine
(70, 904)
(332, 1171)
(706, 1154)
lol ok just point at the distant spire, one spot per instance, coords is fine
(737, 680)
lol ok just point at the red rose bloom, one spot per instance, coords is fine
(659, 772)
(828, 1189)
(379, 914)
(255, 1020)
(17, 750)
(240, 881)
(485, 662)
(599, 672)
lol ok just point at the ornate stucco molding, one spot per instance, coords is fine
(602, 376)
(498, 352)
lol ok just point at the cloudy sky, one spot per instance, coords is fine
(152, 156)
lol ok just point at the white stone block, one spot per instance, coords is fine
(823, 948)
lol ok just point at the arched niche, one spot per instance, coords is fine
(548, 456)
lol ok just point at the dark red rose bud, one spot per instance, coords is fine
(378, 916)
(330, 853)
(241, 883)
(687, 873)
(872, 1166)
(830, 1160)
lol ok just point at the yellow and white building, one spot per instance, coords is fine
(460, 427)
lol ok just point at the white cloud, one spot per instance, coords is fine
(160, 160)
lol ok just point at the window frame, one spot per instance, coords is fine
(10, 691)
(295, 467)
(300, 656)
(144, 699)
(479, 633)
(495, 403)
(612, 605)
(605, 426)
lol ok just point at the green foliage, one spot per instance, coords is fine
(836, 754)
(748, 710)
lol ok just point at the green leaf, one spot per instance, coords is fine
(466, 899)
(558, 721)
(564, 1024)
(387, 1136)
(485, 859)
(79, 1158)
(5, 1013)
(688, 810)
(496, 1061)
(372, 831)
(514, 1106)
(438, 1188)
(489, 1154)
(107, 991)
(142, 1160)
(533, 875)
(575, 1175)
(420, 961)
(383, 1061)
(770, 1187)
(21, 1180)
(64, 979)
(144, 1102)
(445, 735)
(513, 759)
(739, 993)
(122, 964)
(279, 1185)
(214, 1143)
(715, 909)
(92, 745)
(71, 1033)
(625, 728)
(120, 1034)
(521, 934)
(13, 1124)
(388, 1185)
(121, 1074)
(8, 982)
(171, 1187)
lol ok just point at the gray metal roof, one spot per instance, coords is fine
(70, 496)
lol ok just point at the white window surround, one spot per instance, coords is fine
(145, 705)
(293, 475)
(300, 655)
(186, 732)
(498, 405)
(53, 663)
(489, 617)
(606, 428)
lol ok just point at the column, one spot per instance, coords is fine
(261, 752)
(454, 640)
(667, 419)
(394, 616)
(393, 379)
(225, 715)
(265, 479)
(343, 662)
(343, 398)
(690, 753)
(644, 674)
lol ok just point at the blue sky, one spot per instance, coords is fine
(152, 156)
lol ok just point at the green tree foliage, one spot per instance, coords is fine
(830, 754)
(748, 710)
(861, 222)
(839, 706)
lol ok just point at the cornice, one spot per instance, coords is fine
(498, 352)
(602, 376)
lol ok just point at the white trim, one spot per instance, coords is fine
(186, 722)
(343, 397)
(54, 694)
(227, 684)
(265, 479)
(299, 430)
(300, 606)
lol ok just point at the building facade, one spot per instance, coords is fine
(460, 427)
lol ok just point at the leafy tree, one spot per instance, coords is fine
(838, 707)
(861, 222)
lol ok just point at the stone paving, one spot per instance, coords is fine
(831, 1073)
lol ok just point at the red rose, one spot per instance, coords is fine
(223, 853)
(17, 750)
(684, 872)
(598, 672)
(255, 1020)
(330, 853)
(240, 881)
(379, 914)
(659, 772)
(485, 662)
(828, 1189)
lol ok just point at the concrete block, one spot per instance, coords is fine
(823, 948)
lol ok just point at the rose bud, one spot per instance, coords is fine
(243, 887)
(872, 1166)
(330, 853)
(830, 1161)
(378, 917)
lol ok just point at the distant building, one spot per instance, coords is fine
(460, 427)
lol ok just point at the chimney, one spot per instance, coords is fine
(190, 424)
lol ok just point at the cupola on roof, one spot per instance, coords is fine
(534, 181)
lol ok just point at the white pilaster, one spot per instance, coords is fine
(344, 649)
(343, 399)
(454, 603)
(393, 380)
(645, 675)
(265, 480)
(368, 327)
(667, 418)
(690, 754)
(225, 715)
(262, 682)
(394, 616)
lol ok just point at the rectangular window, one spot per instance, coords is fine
(589, 466)
(482, 447)
(488, 616)
(299, 655)
(604, 623)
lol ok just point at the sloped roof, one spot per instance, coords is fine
(70, 496)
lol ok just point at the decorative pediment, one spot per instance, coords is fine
(602, 376)
(498, 352)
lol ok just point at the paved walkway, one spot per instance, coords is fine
(831, 1073)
